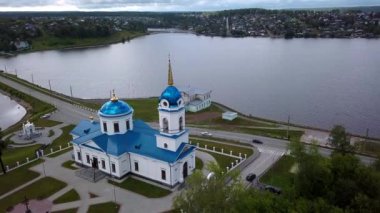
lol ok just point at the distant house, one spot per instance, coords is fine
(195, 99)
(229, 115)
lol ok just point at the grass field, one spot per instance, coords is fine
(67, 211)
(69, 165)
(62, 141)
(33, 191)
(12, 155)
(279, 174)
(222, 160)
(109, 207)
(198, 163)
(46, 123)
(141, 188)
(226, 148)
(69, 196)
(369, 147)
(17, 177)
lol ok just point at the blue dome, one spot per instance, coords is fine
(115, 108)
(171, 94)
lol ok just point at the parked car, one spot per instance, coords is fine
(206, 134)
(257, 141)
(250, 177)
(273, 189)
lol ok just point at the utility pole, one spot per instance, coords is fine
(49, 86)
(32, 79)
(16, 72)
(71, 91)
(287, 132)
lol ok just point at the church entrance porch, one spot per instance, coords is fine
(184, 170)
(90, 174)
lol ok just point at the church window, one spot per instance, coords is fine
(128, 125)
(163, 174)
(113, 168)
(116, 127)
(165, 103)
(88, 158)
(103, 164)
(79, 156)
(180, 123)
(165, 145)
(136, 166)
(165, 125)
(105, 126)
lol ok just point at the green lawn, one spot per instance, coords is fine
(142, 188)
(279, 174)
(69, 196)
(273, 133)
(109, 207)
(17, 177)
(46, 123)
(223, 160)
(12, 155)
(198, 163)
(236, 122)
(67, 211)
(40, 189)
(69, 165)
(226, 148)
(62, 140)
(51, 133)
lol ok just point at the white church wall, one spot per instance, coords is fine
(173, 119)
(177, 174)
(150, 168)
(110, 124)
(172, 143)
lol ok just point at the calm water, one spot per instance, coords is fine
(11, 112)
(318, 82)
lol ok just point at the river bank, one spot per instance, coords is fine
(46, 43)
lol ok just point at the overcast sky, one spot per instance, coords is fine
(170, 5)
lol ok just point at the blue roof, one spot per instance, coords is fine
(115, 108)
(85, 127)
(172, 95)
(142, 140)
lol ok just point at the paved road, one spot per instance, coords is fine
(66, 112)
(270, 145)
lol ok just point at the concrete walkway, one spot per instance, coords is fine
(129, 201)
(206, 159)
(43, 139)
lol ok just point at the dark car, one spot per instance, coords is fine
(257, 141)
(250, 177)
(272, 189)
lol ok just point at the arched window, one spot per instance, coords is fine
(180, 123)
(165, 125)
(165, 145)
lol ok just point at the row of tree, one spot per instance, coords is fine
(336, 184)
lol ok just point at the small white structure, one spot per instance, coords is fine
(118, 145)
(29, 131)
(195, 99)
(229, 115)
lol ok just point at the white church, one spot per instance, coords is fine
(118, 145)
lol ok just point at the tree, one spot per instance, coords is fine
(2, 146)
(210, 195)
(340, 140)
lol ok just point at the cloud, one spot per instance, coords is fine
(171, 5)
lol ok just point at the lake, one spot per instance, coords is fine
(11, 112)
(318, 82)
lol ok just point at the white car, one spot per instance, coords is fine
(206, 134)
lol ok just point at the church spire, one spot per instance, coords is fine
(170, 74)
(114, 98)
